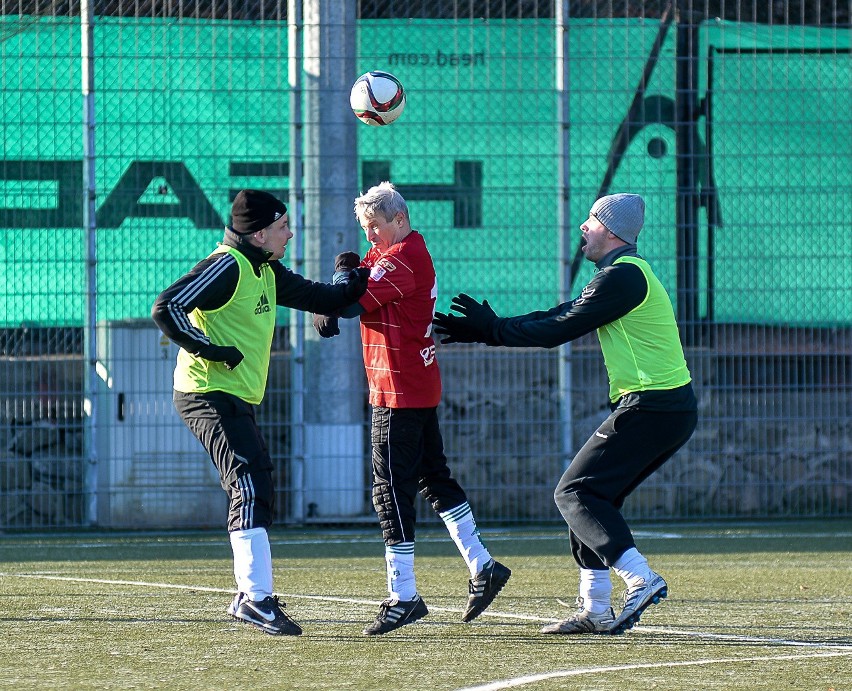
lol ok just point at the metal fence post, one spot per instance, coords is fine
(566, 277)
(334, 391)
(90, 225)
(688, 199)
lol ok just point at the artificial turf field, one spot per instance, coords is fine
(756, 606)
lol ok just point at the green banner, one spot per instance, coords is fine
(189, 112)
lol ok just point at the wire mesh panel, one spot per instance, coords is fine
(731, 118)
(193, 107)
(729, 130)
(779, 96)
(189, 108)
(475, 155)
(41, 371)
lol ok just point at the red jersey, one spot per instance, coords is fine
(396, 327)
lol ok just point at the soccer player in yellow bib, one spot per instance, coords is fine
(222, 315)
(654, 410)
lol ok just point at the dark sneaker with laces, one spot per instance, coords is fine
(483, 588)
(267, 615)
(637, 600)
(395, 613)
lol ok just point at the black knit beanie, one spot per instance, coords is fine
(255, 210)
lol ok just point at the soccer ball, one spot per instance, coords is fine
(377, 98)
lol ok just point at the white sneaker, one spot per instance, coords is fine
(637, 599)
(237, 601)
(583, 621)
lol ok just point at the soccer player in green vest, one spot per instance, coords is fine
(654, 410)
(222, 315)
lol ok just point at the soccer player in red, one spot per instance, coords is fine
(405, 388)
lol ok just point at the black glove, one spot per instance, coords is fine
(346, 261)
(230, 355)
(356, 285)
(456, 329)
(326, 325)
(478, 315)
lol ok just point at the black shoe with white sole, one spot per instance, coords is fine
(394, 613)
(483, 588)
(266, 614)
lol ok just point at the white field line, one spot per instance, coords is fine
(561, 674)
(289, 596)
(112, 541)
(642, 629)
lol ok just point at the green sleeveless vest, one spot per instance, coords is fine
(246, 321)
(642, 350)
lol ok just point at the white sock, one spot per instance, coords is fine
(399, 559)
(596, 590)
(632, 567)
(462, 528)
(252, 562)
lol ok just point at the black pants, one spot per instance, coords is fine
(628, 446)
(226, 427)
(408, 456)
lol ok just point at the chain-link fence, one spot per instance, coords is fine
(129, 127)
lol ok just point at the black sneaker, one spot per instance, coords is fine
(395, 613)
(483, 588)
(267, 615)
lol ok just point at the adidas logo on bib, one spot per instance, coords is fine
(262, 305)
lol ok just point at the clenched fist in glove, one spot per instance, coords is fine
(356, 286)
(346, 261)
(346, 271)
(326, 326)
(230, 355)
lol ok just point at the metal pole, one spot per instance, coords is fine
(335, 457)
(296, 202)
(564, 215)
(90, 224)
(687, 162)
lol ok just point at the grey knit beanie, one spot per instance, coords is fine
(622, 214)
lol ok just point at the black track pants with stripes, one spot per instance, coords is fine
(226, 427)
(628, 447)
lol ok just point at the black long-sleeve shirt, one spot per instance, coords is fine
(614, 290)
(212, 282)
